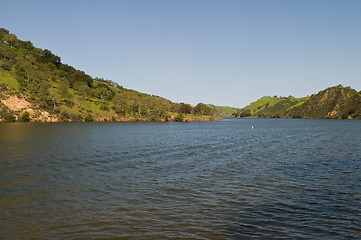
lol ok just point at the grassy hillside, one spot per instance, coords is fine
(225, 111)
(270, 107)
(35, 82)
(332, 103)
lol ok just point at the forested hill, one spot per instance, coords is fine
(332, 103)
(36, 86)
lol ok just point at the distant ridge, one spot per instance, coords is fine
(332, 103)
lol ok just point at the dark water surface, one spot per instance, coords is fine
(291, 179)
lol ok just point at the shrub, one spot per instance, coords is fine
(7, 117)
(153, 118)
(104, 107)
(75, 117)
(6, 66)
(64, 115)
(179, 118)
(25, 117)
(88, 118)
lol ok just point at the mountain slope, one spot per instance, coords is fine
(224, 111)
(335, 103)
(54, 91)
(332, 103)
(270, 107)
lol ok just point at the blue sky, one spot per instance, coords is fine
(222, 52)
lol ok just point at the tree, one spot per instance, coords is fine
(102, 93)
(208, 110)
(165, 106)
(3, 30)
(54, 97)
(25, 69)
(117, 104)
(6, 66)
(7, 53)
(7, 117)
(199, 109)
(88, 118)
(27, 45)
(175, 107)
(80, 76)
(43, 94)
(82, 88)
(24, 117)
(185, 108)
(48, 56)
(64, 87)
(11, 39)
(3, 33)
(179, 118)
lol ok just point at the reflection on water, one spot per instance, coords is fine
(219, 180)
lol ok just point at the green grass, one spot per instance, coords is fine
(7, 78)
(262, 103)
(274, 106)
(199, 117)
(301, 101)
(225, 111)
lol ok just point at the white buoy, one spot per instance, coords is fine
(252, 127)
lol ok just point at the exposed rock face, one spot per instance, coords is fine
(20, 105)
(14, 103)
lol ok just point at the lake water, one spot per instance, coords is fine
(285, 178)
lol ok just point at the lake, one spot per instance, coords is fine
(284, 178)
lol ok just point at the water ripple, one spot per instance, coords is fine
(286, 179)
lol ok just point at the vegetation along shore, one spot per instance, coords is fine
(36, 86)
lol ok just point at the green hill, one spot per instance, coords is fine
(270, 107)
(335, 102)
(36, 83)
(225, 111)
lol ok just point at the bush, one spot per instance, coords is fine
(75, 117)
(179, 118)
(154, 118)
(64, 115)
(104, 107)
(6, 66)
(25, 117)
(7, 117)
(88, 118)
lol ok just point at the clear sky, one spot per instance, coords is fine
(222, 52)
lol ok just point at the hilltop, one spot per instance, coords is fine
(332, 103)
(36, 86)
